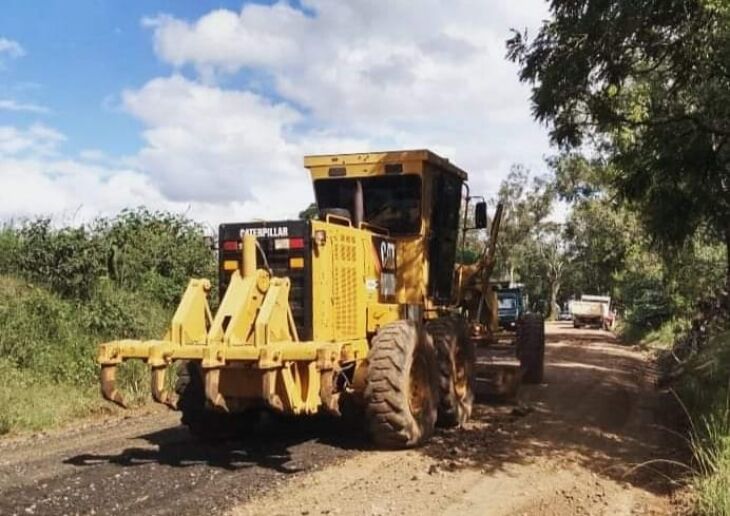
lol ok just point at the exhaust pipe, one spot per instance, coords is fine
(109, 385)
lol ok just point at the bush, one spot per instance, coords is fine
(69, 260)
(155, 253)
(65, 290)
(29, 402)
(705, 390)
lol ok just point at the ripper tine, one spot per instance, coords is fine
(109, 385)
(159, 394)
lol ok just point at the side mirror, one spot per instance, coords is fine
(480, 215)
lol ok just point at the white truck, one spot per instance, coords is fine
(592, 311)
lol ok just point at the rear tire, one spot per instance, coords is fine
(531, 347)
(401, 397)
(455, 356)
(204, 423)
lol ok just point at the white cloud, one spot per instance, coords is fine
(11, 48)
(13, 105)
(208, 144)
(386, 74)
(271, 84)
(38, 140)
(38, 181)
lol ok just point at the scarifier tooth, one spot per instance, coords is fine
(109, 385)
(159, 394)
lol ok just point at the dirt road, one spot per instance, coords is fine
(570, 447)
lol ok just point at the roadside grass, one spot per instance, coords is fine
(64, 290)
(656, 339)
(711, 448)
(48, 373)
(706, 393)
(31, 402)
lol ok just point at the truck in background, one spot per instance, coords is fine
(510, 306)
(592, 311)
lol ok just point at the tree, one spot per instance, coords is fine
(527, 203)
(647, 84)
(309, 212)
(552, 249)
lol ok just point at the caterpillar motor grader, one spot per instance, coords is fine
(357, 307)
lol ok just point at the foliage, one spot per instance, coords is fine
(706, 394)
(65, 290)
(28, 401)
(310, 212)
(67, 259)
(648, 84)
(154, 253)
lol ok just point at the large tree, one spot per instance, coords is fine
(527, 202)
(646, 84)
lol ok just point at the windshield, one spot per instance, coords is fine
(391, 202)
(507, 303)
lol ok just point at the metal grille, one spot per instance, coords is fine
(300, 295)
(345, 285)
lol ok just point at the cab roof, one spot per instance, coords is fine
(383, 157)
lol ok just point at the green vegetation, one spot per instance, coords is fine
(637, 98)
(64, 290)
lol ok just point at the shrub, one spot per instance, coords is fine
(65, 290)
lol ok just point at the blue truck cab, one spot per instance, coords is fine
(510, 306)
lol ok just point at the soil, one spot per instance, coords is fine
(592, 439)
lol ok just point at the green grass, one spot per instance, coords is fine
(48, 373)
(711, 447)
(64, 290)
(661, 338)
(31, 402)
(705, 390)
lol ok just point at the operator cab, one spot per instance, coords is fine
(414, 197)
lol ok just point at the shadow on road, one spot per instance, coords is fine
(267, 445)
(598, 408)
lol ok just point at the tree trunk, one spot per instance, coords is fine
(554, 288)
(727, 271)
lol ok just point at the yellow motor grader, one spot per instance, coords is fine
(357, 307)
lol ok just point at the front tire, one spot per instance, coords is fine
(401, 398)
(455, 357)
(531, 347)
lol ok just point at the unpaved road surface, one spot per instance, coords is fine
(571, 446)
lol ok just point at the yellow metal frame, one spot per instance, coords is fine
(253, 328)
(249, 351)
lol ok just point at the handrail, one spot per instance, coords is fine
(375, 228)
(337, 219)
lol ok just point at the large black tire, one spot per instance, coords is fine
(455, 356)
(401, 397)
(203, 423)
(531, 347)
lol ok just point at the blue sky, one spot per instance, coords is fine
(79, 55)
(206, 107)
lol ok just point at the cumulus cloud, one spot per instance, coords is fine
(208, 144)
(13, 105)
(38, 140)
(11, 48)
(254, 90)
(386, 74)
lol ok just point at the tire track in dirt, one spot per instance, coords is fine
(569, 448)
(151, 465)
